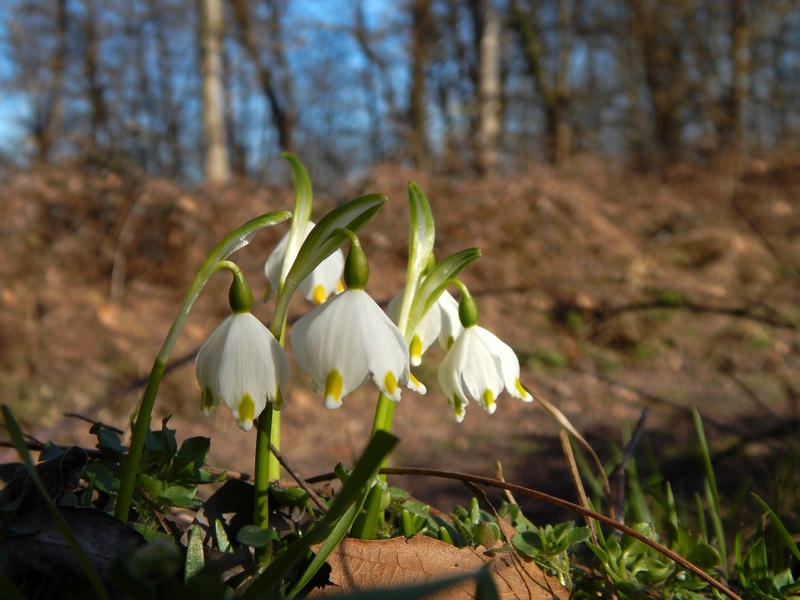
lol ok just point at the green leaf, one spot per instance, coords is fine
(784, 534)
(528, 543)
(365, 526)
(321, 242)
(348, 501)
(222, 537)
(434, 283)
(293, 496)
(250, 535)
(189, 461)
(179, 497)
(102, 477)
(422, 234)
(195, 558)
(711, 490)
(50, 451)
(303, 204)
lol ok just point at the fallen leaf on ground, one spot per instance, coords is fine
(361, 564)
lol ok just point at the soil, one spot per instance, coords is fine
(619, 291)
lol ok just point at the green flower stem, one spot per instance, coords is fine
(384, 414)
(264, 473)
(234, 241)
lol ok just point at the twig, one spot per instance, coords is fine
(300, 481)
(576, 479)
(509, 495)
(561, 418)
(476, 479)
(116, 430)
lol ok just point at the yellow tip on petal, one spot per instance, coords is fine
(207, 401)
(333, 390)
(488, 401)
(319, 294)
(247, 412)
(415, 350)
(459, 405)
(390, 386)
(450, 341)
(339, 287)
(523, 393)
(416, 385)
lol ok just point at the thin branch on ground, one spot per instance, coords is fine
(518, 489)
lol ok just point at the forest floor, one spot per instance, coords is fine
(618, 291)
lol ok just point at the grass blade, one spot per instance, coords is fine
(74, 545)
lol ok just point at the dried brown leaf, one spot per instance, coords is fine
(361, 564)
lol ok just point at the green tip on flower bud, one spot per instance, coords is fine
(356, 267)
(240, 295)
(467, 309)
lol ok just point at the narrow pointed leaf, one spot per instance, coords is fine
(422, 235)
(780, 528)
(69, 537)
(321, 242)
(353, 492)
(437, 280)
(303, 203)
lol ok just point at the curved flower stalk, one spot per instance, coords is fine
(230, 244)
(479, 365)
(440, 322)
(349, 339)
(241, 362)
(323, 281)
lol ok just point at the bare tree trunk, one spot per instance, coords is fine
(47, 112)
(489, 90)
(421, 18)
(283, 115)
(660, 48)
(217, 166)
(99, 114)
(555, 98)
(562, 134)
(740, 55)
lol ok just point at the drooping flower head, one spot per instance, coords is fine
(319, 285)
(241, 362)
(479, 365)
(441, 321)
(349, 339)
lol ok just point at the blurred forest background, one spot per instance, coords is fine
(630, 169)
(186, 88)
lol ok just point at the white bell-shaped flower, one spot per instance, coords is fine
(319, 285)
(347, 341)
(441, 321)
(242, 364)
(479, 365)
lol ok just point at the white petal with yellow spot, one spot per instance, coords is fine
(242, 364)
(348, 340)
(477, 367)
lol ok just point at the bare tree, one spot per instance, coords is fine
(553, 89)
(217, 166)
(419, 51)
(489, 88)
(279, 97)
